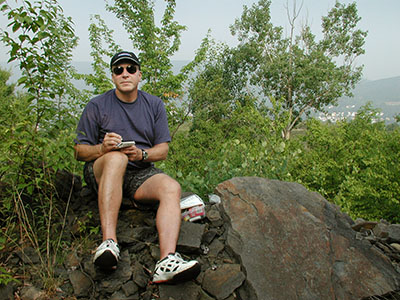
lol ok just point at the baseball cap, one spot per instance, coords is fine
(124, 55)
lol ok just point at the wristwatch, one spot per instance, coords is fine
(145, 155)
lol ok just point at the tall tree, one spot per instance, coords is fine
(301, 73)
(41, 40)
(217, 87)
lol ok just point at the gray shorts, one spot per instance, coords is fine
(133, 178)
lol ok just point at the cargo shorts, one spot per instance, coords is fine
(133, 178)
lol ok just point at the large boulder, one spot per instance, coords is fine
(293, 244)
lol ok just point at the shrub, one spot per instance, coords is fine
(353, 164)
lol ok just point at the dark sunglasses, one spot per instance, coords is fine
(119, 70)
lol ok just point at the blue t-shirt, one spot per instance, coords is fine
(143, 121)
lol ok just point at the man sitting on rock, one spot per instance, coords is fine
(129, 114)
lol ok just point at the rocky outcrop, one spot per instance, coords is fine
(266, 240)
(293, 244)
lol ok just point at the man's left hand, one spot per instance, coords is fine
(133, 153)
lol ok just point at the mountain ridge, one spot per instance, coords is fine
(384, 94)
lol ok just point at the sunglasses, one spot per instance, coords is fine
(119, 70)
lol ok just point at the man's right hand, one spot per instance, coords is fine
(85, 152)
(110, 142)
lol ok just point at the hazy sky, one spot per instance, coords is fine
(381, 18)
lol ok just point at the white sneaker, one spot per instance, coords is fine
(173, 269)
(107, 255)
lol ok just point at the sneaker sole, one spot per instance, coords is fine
(184, 276)
(106, 261)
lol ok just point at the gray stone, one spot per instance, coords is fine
(126, 235)
(130, 288)
(72, 261)
(91, 270)
(81, 283)
(214, 216)
(293, 244)
(29, 255)
(139, 276)
(135, 217)
(209, 236)
(7, 291)
(394, 233)
(87, 192)
(31, 293)
(123, 272)
(130, 235)
(222, 281)
(137, 247)
(361, 225)
(205, 296)
(117, 278)
(121, 296)
(215, 248)
(185, 291)
(190, 237)
(396, 246)
(145, 234)
(155, 252)
(381, 231)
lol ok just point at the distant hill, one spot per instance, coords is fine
(384, 94)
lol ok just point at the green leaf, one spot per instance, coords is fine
(42, 35)
(5, 6)
(16, 26)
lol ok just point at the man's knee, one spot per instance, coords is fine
(114, 159)
(113, 162)
(169, 186)
(175, 187)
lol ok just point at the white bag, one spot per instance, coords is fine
(192, 208)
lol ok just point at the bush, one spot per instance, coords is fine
(242, 145)
(353, 164)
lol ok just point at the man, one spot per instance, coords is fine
(129, 114)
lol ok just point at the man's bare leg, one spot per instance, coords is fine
(170, 268)
(109, 171)
(167, 192)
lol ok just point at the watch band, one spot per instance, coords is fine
(145, 155)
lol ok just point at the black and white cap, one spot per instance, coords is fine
(126, 56)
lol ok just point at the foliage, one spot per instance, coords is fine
(37, 131)
(100, 79)
(244, 144)
(305, 73)
(6, 277)
(215, 91)
(48, 106)
(353, 164)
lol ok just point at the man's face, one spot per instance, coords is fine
(126, 77)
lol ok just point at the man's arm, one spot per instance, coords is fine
(92, 152)
(88, 152)
(156, 153)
